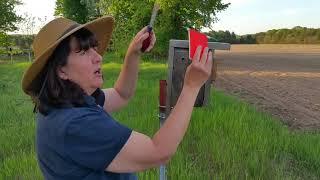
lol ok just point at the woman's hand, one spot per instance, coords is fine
(199, 70)
(136, 43)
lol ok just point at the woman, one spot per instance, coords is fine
(76, 136)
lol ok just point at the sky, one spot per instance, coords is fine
(43, 9)
(242, 16)
(252, 16)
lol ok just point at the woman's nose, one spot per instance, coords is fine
(97, 58)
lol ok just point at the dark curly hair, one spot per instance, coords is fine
(48, 89)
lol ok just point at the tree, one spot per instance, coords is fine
(260, 37)
(8, 20)
(4, 40)
(318, 36)
(174, 18)
(228, 37)
(8, 17)
(80, 11)
(223, 36)
(27, 28)
(234, 38)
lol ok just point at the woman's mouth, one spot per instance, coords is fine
(98, 72)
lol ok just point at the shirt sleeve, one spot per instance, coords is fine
(93, 139)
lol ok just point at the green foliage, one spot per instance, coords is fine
(8, 17)
(4, 40)
(296, 35)
(174, 18)
(247, 39)
(19, 44)
(224, 36)
(21, 41)
(80, 11)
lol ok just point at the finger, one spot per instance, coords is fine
(196, 56)
(209, 61)
(209, 56)
(154, 38)
(150, 48)
(152, 43)
(204, 56)
(142, 31)
(143, 37)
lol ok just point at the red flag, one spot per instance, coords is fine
(195, 39)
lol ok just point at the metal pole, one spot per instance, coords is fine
(162, 117)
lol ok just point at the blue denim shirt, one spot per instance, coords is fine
(79, 143)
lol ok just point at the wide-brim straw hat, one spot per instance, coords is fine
(56, 31)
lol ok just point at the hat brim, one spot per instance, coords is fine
(102, 29)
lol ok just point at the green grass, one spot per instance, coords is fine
(229, 139)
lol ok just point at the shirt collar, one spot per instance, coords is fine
(89, 100)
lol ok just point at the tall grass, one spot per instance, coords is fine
(229, 139)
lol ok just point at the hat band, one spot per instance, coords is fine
(69, 29)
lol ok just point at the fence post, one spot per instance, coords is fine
(11, 59)
(29, 54)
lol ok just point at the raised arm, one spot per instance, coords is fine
(125, 86)
(141, 152)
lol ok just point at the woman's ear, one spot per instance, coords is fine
(61, 71)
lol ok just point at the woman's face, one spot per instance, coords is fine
(83, 68)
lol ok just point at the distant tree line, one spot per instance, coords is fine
(16, 44)
(296, 35)
(13, 44)
(21, 41)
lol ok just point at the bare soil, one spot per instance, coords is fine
(283, 80)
